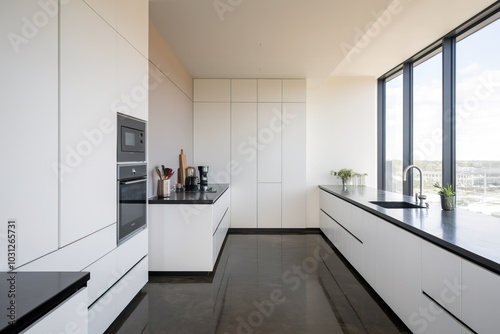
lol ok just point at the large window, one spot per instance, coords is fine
(443, 115)
(478, 121)
(427, 123)
(394, 134)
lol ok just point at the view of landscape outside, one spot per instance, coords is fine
(478, 121)
(477, 124)
(394, 134)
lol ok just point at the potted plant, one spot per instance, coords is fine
(344, 174)
(448, 198)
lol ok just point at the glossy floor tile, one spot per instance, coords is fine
(263, 284)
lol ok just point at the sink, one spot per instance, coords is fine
(396, 205)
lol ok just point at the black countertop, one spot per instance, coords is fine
(27, 296)
(192, 197)
(470, 235)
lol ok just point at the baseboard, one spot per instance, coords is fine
(310, 230)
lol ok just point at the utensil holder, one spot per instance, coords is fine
(163, 188)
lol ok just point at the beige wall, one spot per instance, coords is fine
(170, 108)
(341, 133)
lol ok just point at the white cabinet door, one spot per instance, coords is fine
(269, 205)
(480, 298)
(407, 287)
(106, 9)
(243, 90)
(356, 222)
(212, 90)
(269, 142)
(432, 319)
(269, 90)
(29, 136)
(441, 277)
(294, 165)
(369, 269)
(132, 22)
(132, 81)
(212, 140)
(385, 261)
(87, 122)
(244, 160)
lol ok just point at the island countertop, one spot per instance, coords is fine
(470, 235)
(32, 295)
(192, 197)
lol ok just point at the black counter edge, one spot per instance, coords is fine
(50, 304)
(155, 200)
(467, 255)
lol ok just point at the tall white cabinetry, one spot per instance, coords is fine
(263, 122)
(29, 136)
(87, 131)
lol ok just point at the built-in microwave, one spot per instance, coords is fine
(131, 139)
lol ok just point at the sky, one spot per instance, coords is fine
(478, 102)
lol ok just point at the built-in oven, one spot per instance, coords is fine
(131, 141)
(132, 199)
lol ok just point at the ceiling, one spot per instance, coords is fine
(303, 38)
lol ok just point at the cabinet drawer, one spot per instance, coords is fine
(480, 298)
(441, 277)
(220, 207)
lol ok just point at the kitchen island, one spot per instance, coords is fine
(438, 270)
(44, 302)
(187, 230)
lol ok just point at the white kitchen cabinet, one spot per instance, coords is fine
(212, 140)
(244, 160)
(294, 90)
(353, 249)
(325, 224)
(106, 9)
(69, 317)
(293, 176)
(337, 236)
(269, 130)
(480, 292)
(407, 260)
(212, 90)
(269, 90)
(132, 22)
(269, 205)
(105, 310)
(356, 222)
(369, 269)
(441, 275)
(77, 255)
(431, 318)
(87, 122)
(385, 249)
(131, 81)
(29, 137)
(243, 90)
(187, 237)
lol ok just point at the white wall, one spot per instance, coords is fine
(341, 133)
(170, 109)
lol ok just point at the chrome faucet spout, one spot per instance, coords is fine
(421, 196)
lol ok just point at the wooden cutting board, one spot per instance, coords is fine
(182, 168)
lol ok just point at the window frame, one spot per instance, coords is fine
(446, 45)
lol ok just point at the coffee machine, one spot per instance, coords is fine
(203, 177)
(191, 182)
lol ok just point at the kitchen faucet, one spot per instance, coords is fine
(421, 196)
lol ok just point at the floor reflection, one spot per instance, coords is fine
(262, 284)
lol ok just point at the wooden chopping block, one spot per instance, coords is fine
(182, 167)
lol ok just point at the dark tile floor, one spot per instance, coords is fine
(263, 284)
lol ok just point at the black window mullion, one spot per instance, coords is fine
(381, 138)
(408, 125)
(449, 112)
